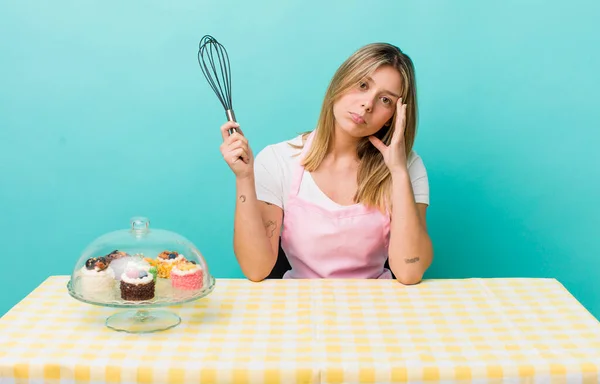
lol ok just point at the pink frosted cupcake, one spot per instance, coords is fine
(186, 275)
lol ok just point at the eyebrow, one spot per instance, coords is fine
(386, 90)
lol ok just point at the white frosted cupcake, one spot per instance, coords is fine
(97, 280)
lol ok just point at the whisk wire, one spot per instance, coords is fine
(221, 88)
(209, 48)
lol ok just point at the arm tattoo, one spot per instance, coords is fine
(243, 198)
(270, 227)
(410, 261)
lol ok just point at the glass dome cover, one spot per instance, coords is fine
(140, 267)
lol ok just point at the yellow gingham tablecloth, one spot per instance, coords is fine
(314, 331)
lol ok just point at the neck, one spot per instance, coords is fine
(343, 147)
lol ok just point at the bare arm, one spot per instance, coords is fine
(411, 251)
(256, 224)
(257, 227)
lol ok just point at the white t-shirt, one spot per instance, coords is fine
(274, 170)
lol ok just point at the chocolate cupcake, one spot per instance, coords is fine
(137, 284)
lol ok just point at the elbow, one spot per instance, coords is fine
(409, 279)
(255, 270)
(254, 274)
(254, 277)
(410, 276)
(413, 275)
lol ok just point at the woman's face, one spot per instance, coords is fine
(365, 108)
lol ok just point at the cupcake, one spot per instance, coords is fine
(146, 264)
(116, 254)
(153, 271)
(186, 275)
(152, 267)
(120, 264)
(137, 284)
(97, 279)
(165, 262)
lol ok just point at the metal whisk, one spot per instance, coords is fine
(218, 74)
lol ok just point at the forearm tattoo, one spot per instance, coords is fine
(410, 261)
(270, 226)
(243, 198)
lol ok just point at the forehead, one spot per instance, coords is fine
(387, 77)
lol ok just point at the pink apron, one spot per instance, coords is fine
(351, 242)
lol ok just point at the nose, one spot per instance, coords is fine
(367, 105)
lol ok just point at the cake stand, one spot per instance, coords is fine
(145, 316)
(97, 275)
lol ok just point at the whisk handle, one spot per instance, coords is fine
(231, 117)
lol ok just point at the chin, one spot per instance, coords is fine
(355, 131)
(352, 132)
(351, 129)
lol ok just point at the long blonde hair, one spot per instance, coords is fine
(374, 179)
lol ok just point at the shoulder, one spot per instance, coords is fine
(273, 170)
(283, 152)
(415, 164)
(418, 178)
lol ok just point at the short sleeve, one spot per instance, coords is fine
(419, 179)
(268, 177)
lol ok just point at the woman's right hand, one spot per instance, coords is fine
(236, 151)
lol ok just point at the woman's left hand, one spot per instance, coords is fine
(394, 155)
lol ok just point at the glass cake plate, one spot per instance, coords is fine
(141, 269)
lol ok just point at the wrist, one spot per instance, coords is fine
(400, 173)
(245, 180)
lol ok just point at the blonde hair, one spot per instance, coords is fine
(374, 179)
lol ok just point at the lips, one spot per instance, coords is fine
(357, 118)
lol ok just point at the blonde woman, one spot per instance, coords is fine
(348, 198)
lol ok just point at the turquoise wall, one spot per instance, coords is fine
(105, 114)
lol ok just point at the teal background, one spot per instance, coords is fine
(105, 114)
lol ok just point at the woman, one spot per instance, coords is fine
(346, 196)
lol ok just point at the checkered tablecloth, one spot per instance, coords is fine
(314, 331)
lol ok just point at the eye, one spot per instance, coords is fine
(362, 85)
(386, 100)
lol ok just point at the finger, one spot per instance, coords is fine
(236, 136)
(238, 154)
(399, 125)
(227, 147)
(378, 144)
(237, 129)
(237, 144)
(242, 148)
(228, 125)
(245, 157)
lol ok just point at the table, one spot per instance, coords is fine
(314, 331)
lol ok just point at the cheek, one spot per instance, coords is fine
(349, 98)
(384, 115)
(343, 104)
